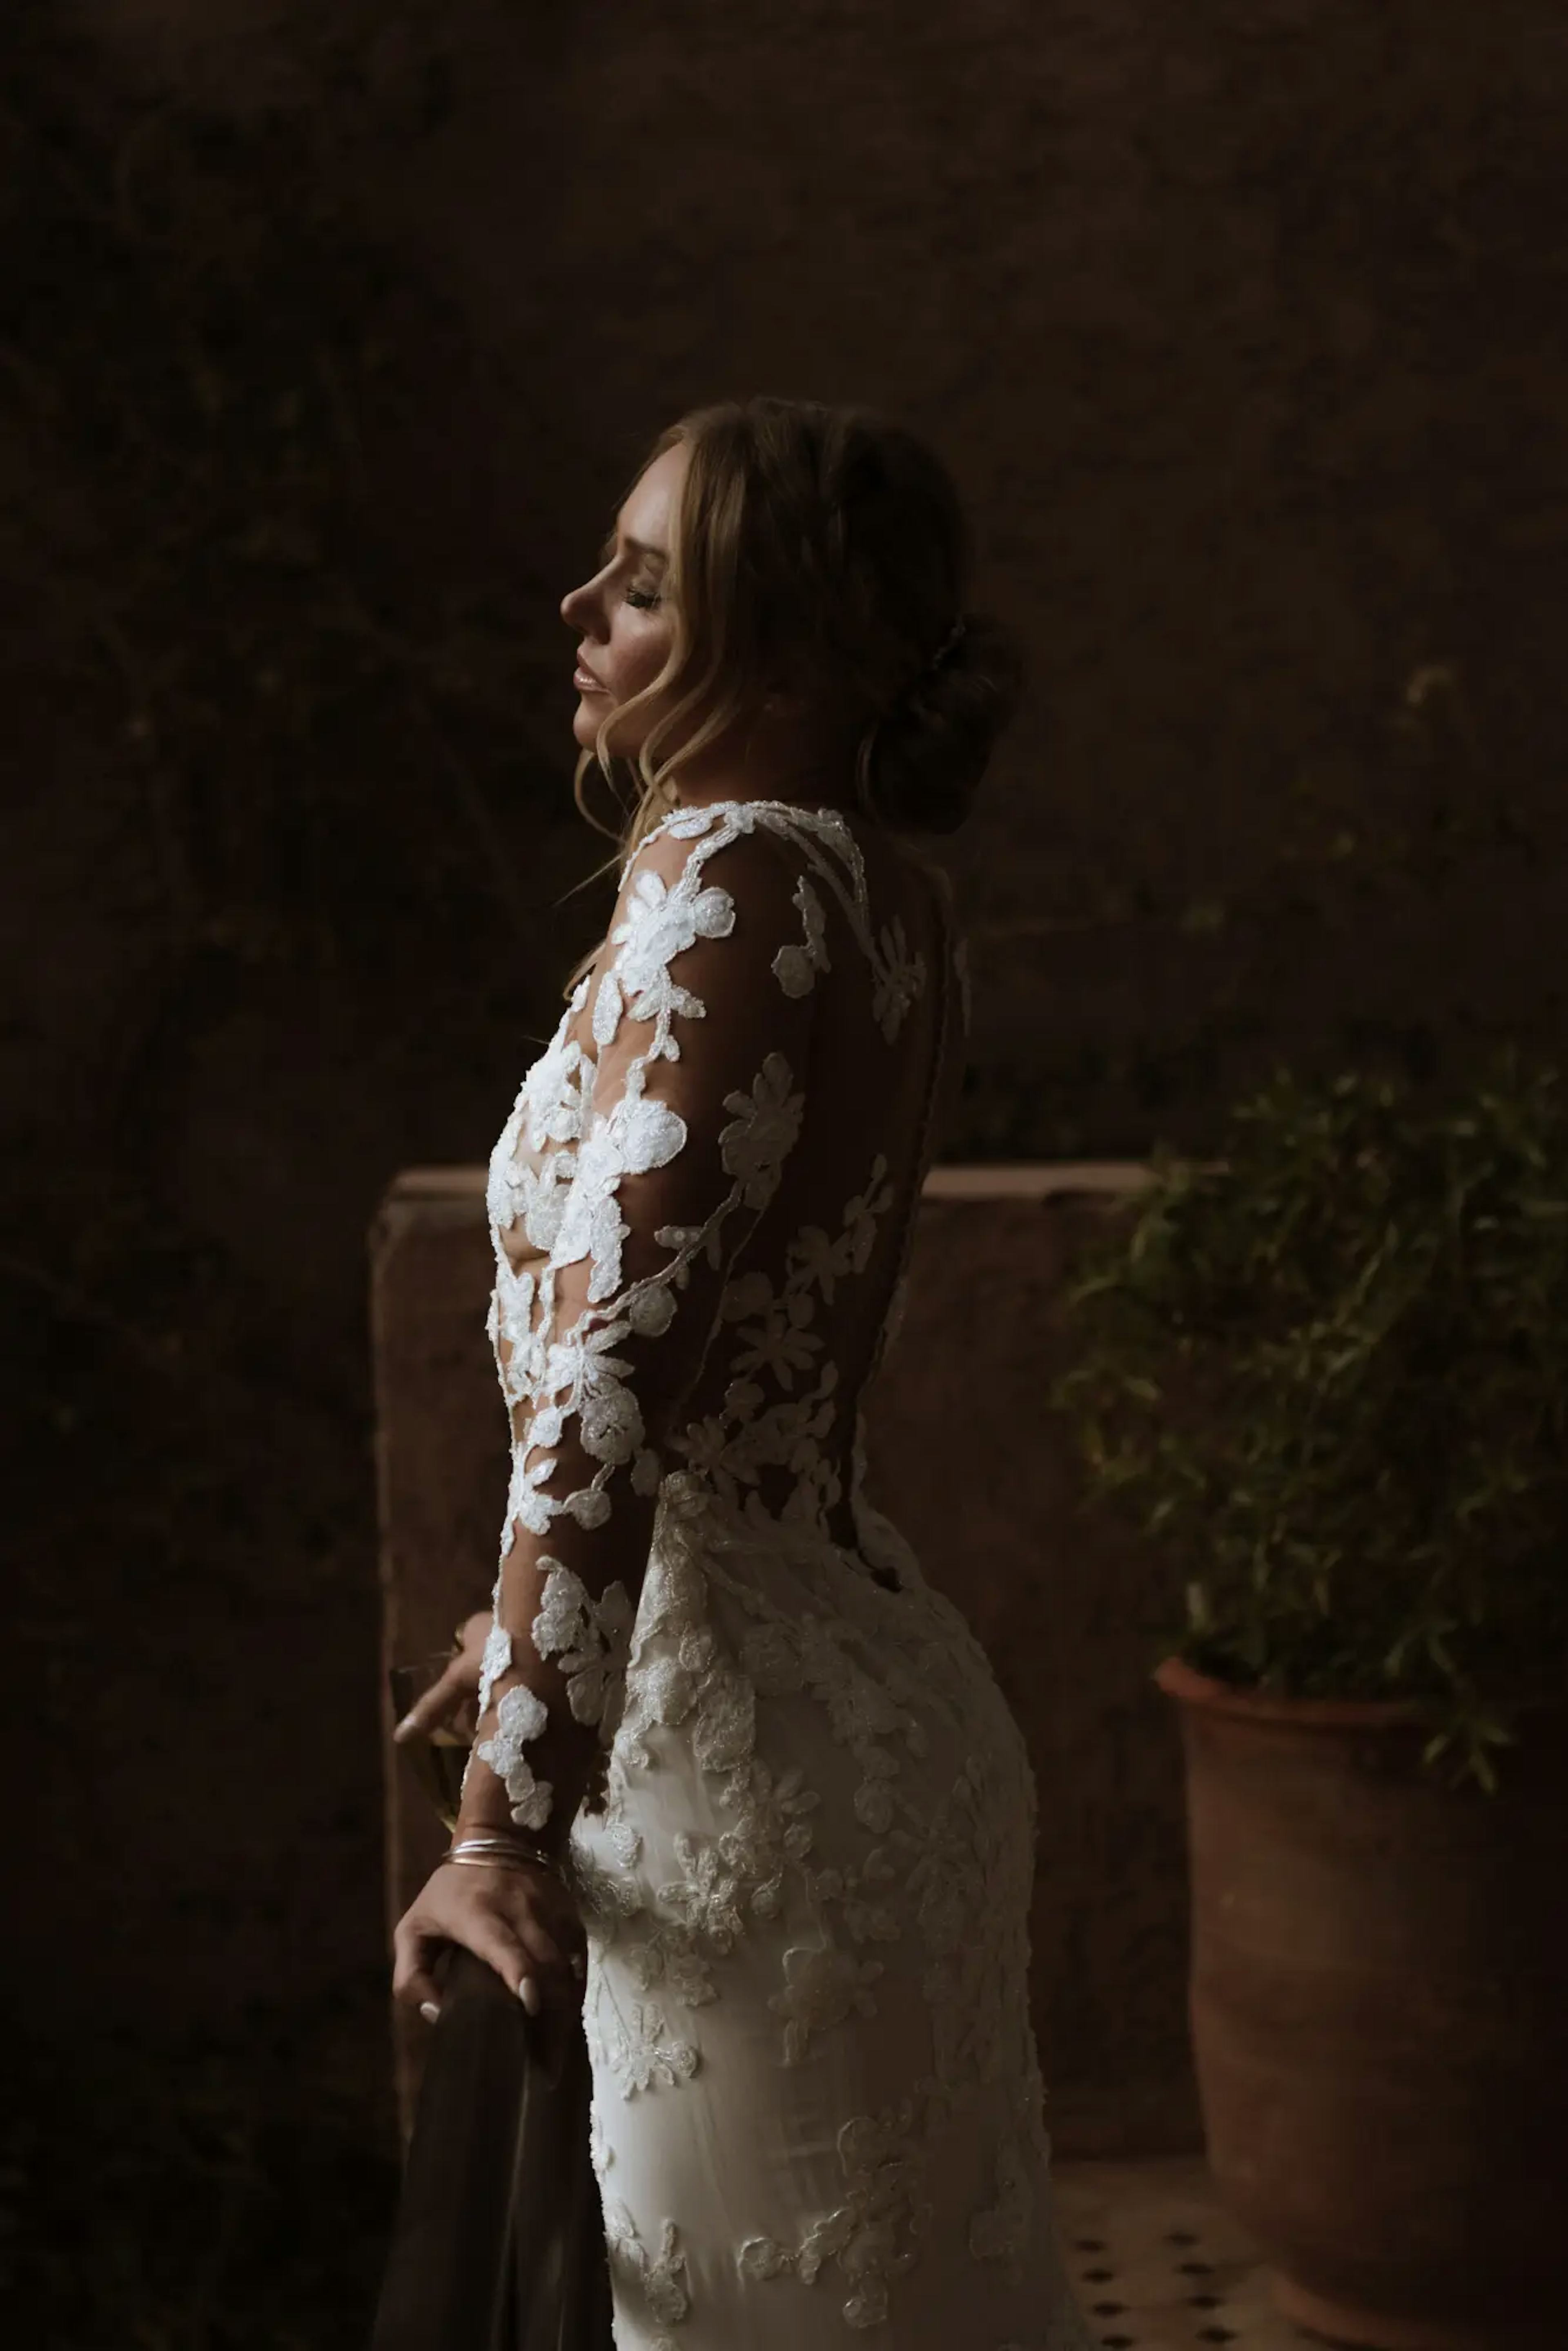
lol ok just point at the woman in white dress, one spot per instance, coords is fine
(744, 1782)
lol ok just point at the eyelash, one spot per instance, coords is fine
(642, 598)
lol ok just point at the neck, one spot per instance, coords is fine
(780, 758)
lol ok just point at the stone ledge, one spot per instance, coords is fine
(960, 1180)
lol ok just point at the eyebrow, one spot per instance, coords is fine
(638, 547)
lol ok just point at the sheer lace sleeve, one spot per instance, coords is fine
(701, 1015)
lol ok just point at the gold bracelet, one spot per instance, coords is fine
(500, 1851)
(488, 1861)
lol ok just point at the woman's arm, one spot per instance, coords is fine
(698, 1092)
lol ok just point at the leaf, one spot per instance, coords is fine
(1363, 1309)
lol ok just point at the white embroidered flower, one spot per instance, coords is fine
(607, 1007)
(725, 1720)
(643, 2053)
(637, 1135)
(765, 2257)
(767, 1654)
(822, 1986)
(545, 1428)
(552, 1093)
(736, 816)
(873, 2235)
(601, 2154)
(874, 1798)
(784, 1345)
(817, 1256)
(870, 1922)
(802, 1426)
(647, 1472)
(862, 1213)
(527, 1505)
(704, 1444)
(521, 1716)
(588, 1507)
(495, 1660)
(706, 1897)
(897, 978)
(581, 1356)
(651, 1309)
(657, 925)
(669, 1959)
(790, 1800)
(666, 1691)
(796, 968)
(766, 1123)
(592, 1638)
(610, 1421)
(746, 1294)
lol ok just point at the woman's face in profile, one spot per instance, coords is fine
(622, 615)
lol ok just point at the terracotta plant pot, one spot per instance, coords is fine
(1379, 2009)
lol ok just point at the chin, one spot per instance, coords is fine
(585, 719)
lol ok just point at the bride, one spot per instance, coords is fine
(743, 1782)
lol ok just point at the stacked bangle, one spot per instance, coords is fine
(500, 1851)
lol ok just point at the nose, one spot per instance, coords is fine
(578, 609)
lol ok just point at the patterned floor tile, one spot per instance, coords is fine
(1159, 2266)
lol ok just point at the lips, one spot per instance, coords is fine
(583, 678)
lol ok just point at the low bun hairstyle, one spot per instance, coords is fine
(922, 761)
(826, 547)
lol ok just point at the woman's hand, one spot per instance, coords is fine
(522, 1921)
(458, 1688)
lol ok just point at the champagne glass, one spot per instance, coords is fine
(439, 1757)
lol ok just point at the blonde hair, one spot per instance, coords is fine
(826, 546)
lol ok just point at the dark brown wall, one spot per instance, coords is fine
(1244, 326)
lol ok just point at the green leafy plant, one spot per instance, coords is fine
(1329, 1373)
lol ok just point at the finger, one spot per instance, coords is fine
(542, 1947)
(562, 1979)
(433, 1705)
(494, 1940)
(412, 1983)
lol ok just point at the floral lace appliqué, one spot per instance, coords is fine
(520, 1717)
(874, 2234)
(591, 1640)
(897, 978)
(796, 968)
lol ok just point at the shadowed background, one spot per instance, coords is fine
(328, 343)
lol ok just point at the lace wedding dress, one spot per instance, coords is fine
(817, 2112)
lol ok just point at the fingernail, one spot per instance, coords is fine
(528, 1993)
(429, 2011)
(405, 1727)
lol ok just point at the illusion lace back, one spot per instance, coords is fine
(806, 1872)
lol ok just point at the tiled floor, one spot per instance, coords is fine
(1158, 2266)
